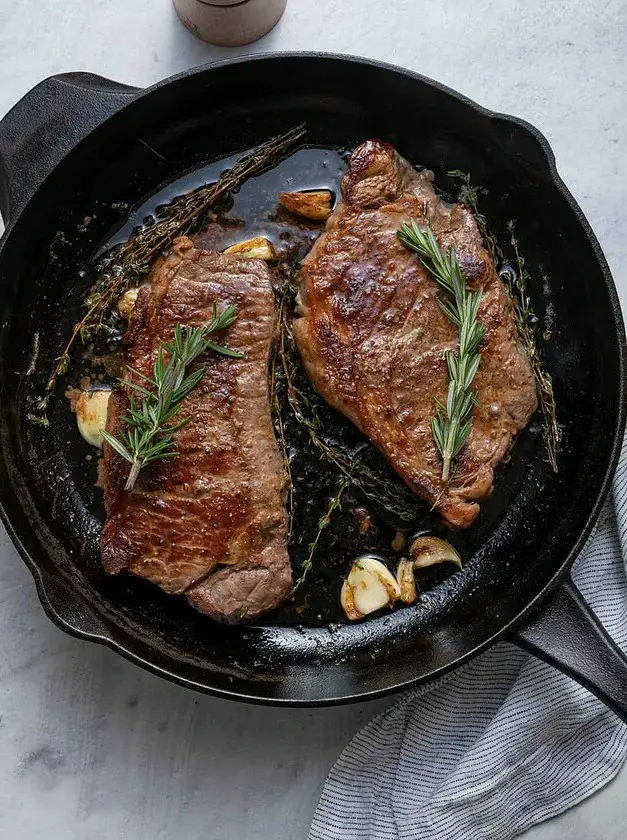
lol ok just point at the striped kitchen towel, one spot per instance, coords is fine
(493, 748)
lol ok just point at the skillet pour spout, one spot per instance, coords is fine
(79, 147)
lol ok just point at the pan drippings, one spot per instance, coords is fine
(333, 519)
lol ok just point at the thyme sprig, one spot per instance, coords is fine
(286, 272)
(335, 503)
(155, 403)
(452, 422)
(524, 322)
(128, 263)
(469, 195)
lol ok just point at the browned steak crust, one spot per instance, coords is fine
(372, 335)
(210, 523)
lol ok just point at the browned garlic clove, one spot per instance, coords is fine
(424, 551)
(406, 581)
(257, 248)
(429, 551)
(311, 204)
(91, 415)
(127, 302)
(369, 587)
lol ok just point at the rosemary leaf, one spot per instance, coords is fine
(115, 444)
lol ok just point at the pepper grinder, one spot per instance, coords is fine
(229, 23)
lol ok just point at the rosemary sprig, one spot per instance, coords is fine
(131, 261)
(452, 423)
(155, 403)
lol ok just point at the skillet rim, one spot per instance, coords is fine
(44, 584)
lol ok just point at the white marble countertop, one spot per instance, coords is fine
(92, 748)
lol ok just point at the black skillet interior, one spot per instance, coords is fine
(527, 532)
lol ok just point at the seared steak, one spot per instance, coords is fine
(211, 522)
(373, 338)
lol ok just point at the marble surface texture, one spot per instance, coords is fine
(90, 746)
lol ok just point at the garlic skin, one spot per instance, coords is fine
(311, 204)
(91, 415)
(429, 551)
(369, 587)
(257, 248)
(127, 302)
(348, 602)
(398, 543)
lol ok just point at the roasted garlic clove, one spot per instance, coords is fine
(127, 302)
(311, 204)
(423, 552)
(406, 581)
(91, 415)
(258, 248)
(429, 551)
(369, 587)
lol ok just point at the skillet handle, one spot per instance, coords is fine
(71, 614)
(568, 635)
(45, 125)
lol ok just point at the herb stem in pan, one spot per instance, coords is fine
(335, 503)
(155, 403)
(184, 215)
(544, 384)
(452, 423)
(287, 268)
(469, 195)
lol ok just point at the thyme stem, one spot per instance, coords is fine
(335, 503)
(544, 383)
(278, 352)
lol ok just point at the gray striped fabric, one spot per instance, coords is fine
(495, 747)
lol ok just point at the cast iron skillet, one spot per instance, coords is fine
(76, 144)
